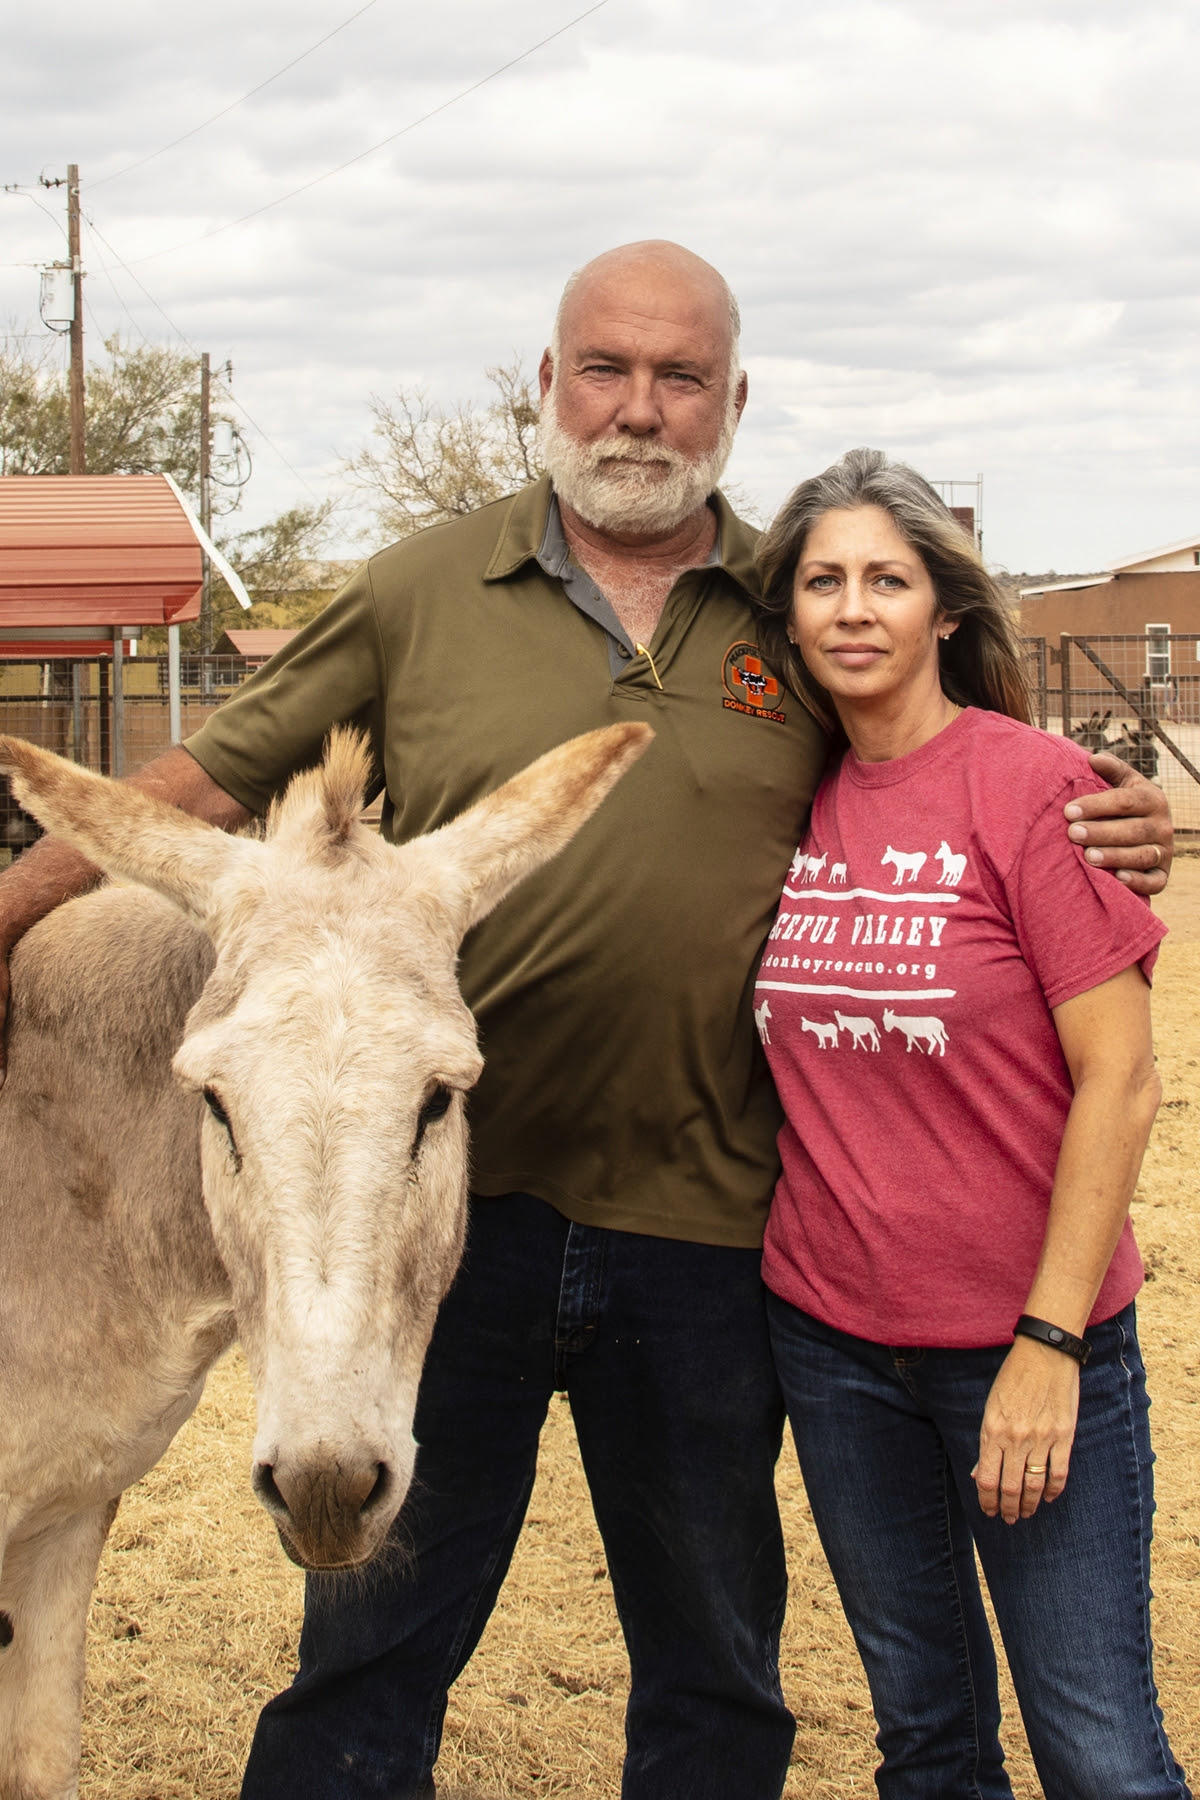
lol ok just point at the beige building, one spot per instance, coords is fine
(1154, 594)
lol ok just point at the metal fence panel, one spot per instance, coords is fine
(1139, 696)
(67, 707)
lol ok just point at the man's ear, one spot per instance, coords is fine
(545, 373)
(741, 392)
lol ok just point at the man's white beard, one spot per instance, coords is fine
(630, 484)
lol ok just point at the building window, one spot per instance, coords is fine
(1158, 652)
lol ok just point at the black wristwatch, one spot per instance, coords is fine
(1054, 1335)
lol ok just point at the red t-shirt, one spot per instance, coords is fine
(934, 914)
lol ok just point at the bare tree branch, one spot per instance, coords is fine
(428, 465)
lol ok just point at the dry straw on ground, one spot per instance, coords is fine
(196, 1610)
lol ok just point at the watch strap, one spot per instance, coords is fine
(1054, 1335)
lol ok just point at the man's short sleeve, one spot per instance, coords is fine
(332, 673)
(1077, 926)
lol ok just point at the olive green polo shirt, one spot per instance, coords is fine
(623, 1079)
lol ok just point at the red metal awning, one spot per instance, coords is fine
(92, 550)
(256, 646)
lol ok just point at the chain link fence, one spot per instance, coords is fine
(67, 707)
(1137, 695)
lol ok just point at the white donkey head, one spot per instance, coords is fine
(333, 1051)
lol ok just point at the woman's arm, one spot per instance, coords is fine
(1031, 1410)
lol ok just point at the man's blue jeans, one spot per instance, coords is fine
(664, 1351)
(887, 1439)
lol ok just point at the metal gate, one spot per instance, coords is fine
(1137, 695)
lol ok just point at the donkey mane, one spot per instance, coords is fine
(325, 803)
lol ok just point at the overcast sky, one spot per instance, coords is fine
(960, 230)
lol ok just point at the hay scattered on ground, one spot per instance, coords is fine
(197, 1611)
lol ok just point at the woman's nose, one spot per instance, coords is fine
(855, 601)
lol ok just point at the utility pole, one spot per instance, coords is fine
(206, 612)
(55, 319)
(78, 427)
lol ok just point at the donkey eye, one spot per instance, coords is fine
(213, 1102)
(436, 1106)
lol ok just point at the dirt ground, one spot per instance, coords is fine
(196, 1610)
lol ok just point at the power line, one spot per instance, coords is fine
(184, 339)
(370, 151)
(15, 187)
(234, 104)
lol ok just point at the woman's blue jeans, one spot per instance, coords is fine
(663, 1349)
(887, 1439)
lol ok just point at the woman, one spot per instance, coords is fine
(956, 1012)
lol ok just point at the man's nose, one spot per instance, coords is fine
(639, 411)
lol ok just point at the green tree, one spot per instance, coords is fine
(283, 570)
(429, 465)
(142, 412)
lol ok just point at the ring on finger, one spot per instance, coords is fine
(1034, 1469)
(1157, 849)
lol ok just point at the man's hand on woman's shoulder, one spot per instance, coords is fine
(1126, 827)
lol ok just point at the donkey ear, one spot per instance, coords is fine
(122, 830)
(500, 840)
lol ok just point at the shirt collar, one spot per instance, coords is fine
(532, 532)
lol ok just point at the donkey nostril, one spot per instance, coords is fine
(381, 1489)
(265, 1486)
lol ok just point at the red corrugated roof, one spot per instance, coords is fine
(256, 646)
(94, 550)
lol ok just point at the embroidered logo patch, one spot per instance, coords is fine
(749, 687)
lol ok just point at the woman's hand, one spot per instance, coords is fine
(1027, 1432)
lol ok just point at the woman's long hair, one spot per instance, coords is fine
(981, 662)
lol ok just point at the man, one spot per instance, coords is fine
(623, 1130)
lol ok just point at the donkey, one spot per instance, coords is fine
(235, 1104)
(826, 1035)
(928, 1031)
(908, 863)
(864, 1033)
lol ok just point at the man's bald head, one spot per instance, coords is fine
(641, 270)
